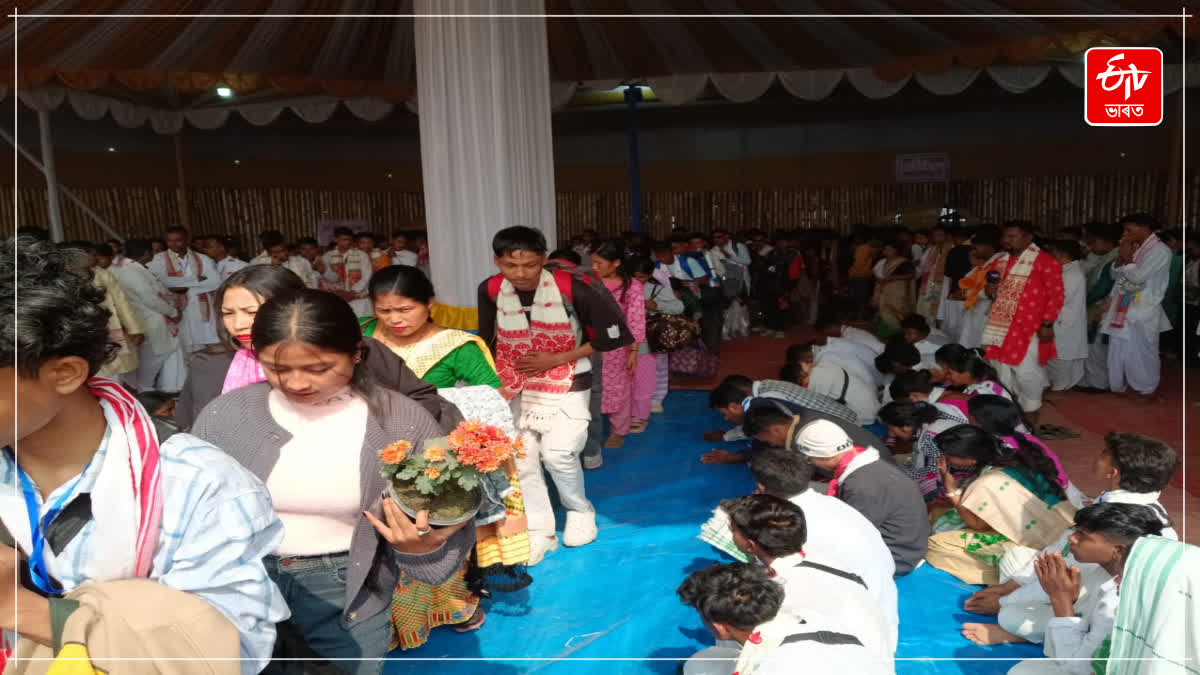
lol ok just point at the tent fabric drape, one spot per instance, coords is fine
(486, 148)
(808, 85)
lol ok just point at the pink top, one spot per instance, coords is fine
(634, 306)
(315, 484)
(244, 371)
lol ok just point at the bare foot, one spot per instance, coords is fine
(989, 634)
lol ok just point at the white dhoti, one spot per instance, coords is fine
(1026, 380)
(557, 451)
(159, 372)
(1095, 369)
(950, 313)
(724, 659)
(1065, 373)
(1133, 360)
(974, 319)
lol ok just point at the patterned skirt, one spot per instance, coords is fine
(418, 608)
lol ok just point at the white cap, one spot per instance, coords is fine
(822, 438)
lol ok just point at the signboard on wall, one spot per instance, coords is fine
(325, 228)
(933, 167)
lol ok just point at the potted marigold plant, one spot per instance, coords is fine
(444, 476)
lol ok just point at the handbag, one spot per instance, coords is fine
(668, 332)
(737, 321)
(694, 360)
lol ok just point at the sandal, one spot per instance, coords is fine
(637, 426)
(1053, 432)
(472, 623)
(614, 441)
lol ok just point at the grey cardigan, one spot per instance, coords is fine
(207, 370)
(240, 423)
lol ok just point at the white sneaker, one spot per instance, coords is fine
(593, 461)
(580, 529)
(539, 546)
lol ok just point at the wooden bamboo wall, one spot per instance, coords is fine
(1049, 201)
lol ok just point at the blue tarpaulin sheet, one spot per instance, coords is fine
(610, 607)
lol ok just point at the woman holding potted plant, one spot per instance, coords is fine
(312, 432)
(403, 297)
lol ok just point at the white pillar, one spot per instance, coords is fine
(56, 226)
(483, 98)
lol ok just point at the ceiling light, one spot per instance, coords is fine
(237, 161)
(111, 149)
(224, 92)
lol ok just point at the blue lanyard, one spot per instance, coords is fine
(37, 556)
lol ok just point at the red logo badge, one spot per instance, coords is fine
(1123, 87)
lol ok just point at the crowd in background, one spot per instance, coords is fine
(909, 416)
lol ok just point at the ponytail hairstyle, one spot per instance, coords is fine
(614, 252)
(911, 382)
(908, 414)
(1001, 417)
(322, 320)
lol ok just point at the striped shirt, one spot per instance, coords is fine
(217, 524)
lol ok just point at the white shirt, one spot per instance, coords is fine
(838, 531)
(863, 337)
(1070, 329)
(855, 357)
(1153, 274)
(861, 397)
(194, 328)
(405, 257)
(143, 290)
(228, 265)
(845, 602)
(298, 264)
(1073, 637)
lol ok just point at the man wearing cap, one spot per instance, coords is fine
(878, 490)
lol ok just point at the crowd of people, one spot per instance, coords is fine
(198, 446)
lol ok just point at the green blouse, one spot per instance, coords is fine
(465, 363)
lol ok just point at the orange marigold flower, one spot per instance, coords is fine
(395, 453)
(435, 454)
(432, 472)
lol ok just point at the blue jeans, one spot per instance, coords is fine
(315, 590)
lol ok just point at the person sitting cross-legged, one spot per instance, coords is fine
(1104, 535)
(875, 488)
(743, 608)
(1136, 469)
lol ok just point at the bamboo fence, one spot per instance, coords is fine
(1051, 202)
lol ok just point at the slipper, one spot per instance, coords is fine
(614, 441)
(637, 426)
(1053, 432)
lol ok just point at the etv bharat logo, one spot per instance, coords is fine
(1123, 86)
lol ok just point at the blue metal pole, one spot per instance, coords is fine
(633, 94)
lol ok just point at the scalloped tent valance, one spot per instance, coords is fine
(812, 85)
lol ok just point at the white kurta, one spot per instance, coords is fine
(297, 264)
(974, 320)
(195, 331)
(147, 295)
(857, 358)
(1070, 329)
(838, 531)
(356, 260)
(1146, 314)
(227, 266)
(850, 605)
(863, 337)
(861, 397)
